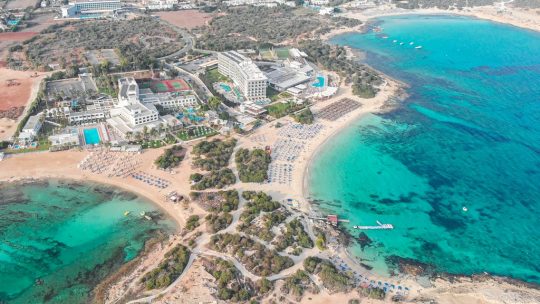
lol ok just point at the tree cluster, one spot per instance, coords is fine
(304, 117)
(215, 179)
(213, 155)
(331, 278)
(170, 158)
(253, 255)
(168, 270)
(252, 165)
(364, 79)
(294, 235)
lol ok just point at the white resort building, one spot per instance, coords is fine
(30, 129)
(136, 108)
(244, 73)
(131, 115)
(90, 8)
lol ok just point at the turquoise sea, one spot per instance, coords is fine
(468, 135)
(70, 236)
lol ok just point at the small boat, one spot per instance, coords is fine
(126, 213)
(411, 43)
(147, 217)
(394, 41)
(401, 43)
(355, 227)
(384, 37)
(143, 213)
(418, 47)
(465, 209)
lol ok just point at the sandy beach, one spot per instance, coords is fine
(520, 17)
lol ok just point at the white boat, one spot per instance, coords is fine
(401, 43)
(394, 41)
(384, 37)
(418, 47)
(465, 209)
(411, 43)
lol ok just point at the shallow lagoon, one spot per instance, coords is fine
(70, 236)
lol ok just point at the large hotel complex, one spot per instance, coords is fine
(80, 9)
(245, 74)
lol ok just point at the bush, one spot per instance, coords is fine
(192, 222)
(304, 117)
(213, 155)
(216, 179)
(170, 158)
(172, 266)
(252, 166)
(218, 221)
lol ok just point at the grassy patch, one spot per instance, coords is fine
(196, 132)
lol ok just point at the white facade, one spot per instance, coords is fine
(74, 9)
(86, 116)
(173, 101)
(244, 73)
(31, 128)
(319, 2)
(70, 138)
(131, 115)
(268, 3)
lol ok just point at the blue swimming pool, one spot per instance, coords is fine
(319, 83)
(225, 87)
(91, 136)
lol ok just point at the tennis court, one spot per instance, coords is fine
(164, 86)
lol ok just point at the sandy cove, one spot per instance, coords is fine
(64, 165)
(520, 17)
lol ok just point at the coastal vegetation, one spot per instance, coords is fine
(363, 79)
(231, 285)
(253, 255)
(252, 165)
(257, 202)
(171, 157)
(263, 228)
(221, 201)
(297, 283)
(168, 270)
(304, 117)
(331, 278)
(294, 235)
(137, 42)
(250, 27)
(373, 293)
(213, 155)
(218, 221)
(215, 179)
(192, 222)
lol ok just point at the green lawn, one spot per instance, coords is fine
(282, 53)
(43, 145)
(196, 132)
(215, 76)
(279, 109)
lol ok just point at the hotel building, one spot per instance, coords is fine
(89, 7)
(244, 73)
(131, 115)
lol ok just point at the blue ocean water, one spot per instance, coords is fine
(467, 136)
(70, 236)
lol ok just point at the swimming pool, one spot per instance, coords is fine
(319, 83)
(91, 136)
(225, 87)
